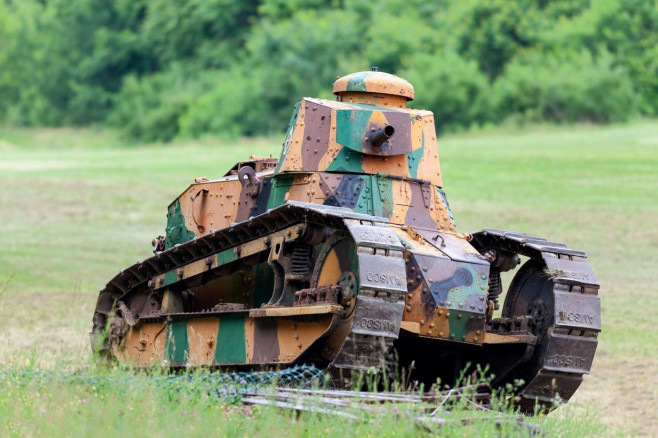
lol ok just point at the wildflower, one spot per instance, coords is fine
(83, 401)
(395, 409)
(187, 364)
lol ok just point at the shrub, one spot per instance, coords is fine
(572, 88)
(453, 88)
(149, 108)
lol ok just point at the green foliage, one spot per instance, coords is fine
(452, 87)
(569, 88)
(230, 107)
(204, 32)
(162, 69)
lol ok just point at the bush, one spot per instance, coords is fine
(573, 88)
(231, 107)
(161, 69)
(454, 89)
(149, 108)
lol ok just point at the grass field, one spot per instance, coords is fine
(78, 205)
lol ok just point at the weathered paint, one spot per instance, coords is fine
(202, 340)
(230, 341)
(177, 347)
(177, 231)
(374, 83)
(143, 346)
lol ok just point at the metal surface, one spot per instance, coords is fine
(570, 312)
(343, 253)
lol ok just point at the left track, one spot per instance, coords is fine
(378, 309)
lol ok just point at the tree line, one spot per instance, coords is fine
(162, 69)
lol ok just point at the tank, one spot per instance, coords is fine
(343, 253)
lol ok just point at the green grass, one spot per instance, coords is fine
(84, 400)
(78, 205)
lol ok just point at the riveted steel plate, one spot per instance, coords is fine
(570, 271)
(570, 354)
(376, 317)
(577, 311)
(382, 273)
(334, 211)
(374, 236)
(457, 249)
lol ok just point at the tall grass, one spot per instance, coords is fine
(88, 400)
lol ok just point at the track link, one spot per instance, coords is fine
(570, 342)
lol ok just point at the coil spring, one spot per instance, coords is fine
(495, 287)
(300, 263)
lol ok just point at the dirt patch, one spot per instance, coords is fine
(52, 327)
(624, 392)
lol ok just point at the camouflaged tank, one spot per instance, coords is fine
(343, 253)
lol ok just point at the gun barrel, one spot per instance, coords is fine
(378, 137)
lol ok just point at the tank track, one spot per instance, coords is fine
(379, 306)
(567, 351)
